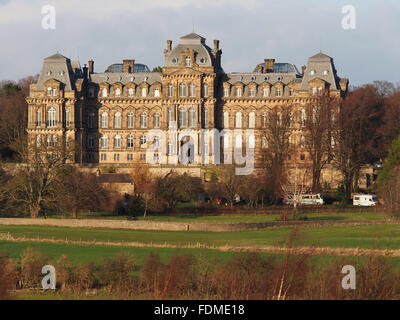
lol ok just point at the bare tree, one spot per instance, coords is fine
(318, 138)
(294, 184)
(145, 184)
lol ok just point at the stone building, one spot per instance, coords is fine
(128, 114)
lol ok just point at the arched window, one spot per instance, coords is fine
(156, 119)
(226, 120)
(205, 90)
(264, 142)
(104, 92)
(238, 141)
(252, 92)
(104, 120)
(182, 118)
(238, 92)
(38, 140)
(252, 120)
(104, 142)
(170, 117)
(130, 92)
(303, 118)
(192, 90)
(192, 117)
(265, 92)
(38, 117)
(117, 120)
(188, 61)
(182, 89)
(130, 120)
(252, 141)
(143, 120)
(170, 90)
(51, 117)
(156, 92)
(144, 92)
(238, 120)
(129, 141)
(265, 119)
(156, 142)
(48, 141)
(279, 119)
(117, 142)
(302, 141)
(117, 92)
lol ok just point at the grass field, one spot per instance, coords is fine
(364, 236)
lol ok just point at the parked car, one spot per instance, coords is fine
(306, 199)
(365, 200)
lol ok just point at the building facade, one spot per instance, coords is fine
(172, 118)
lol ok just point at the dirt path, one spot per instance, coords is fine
(268, 249)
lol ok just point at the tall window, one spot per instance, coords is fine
(265, 92)
(156, 142)
(130, 92)
(144, 92)
(170, 117)
(226, 92)
(129, 141)
(38, 140)
(205, 90)
(117, 142)
(104, 142)
(279, 119)
(238, 92)
(49, 91)
(278, 92)
(252, 92)
(156, 119)
(264, 143)
(192, 90)
(156, 92)
(66, 118)
(143, 120)
(54, 92)
(238, 120)
(252, 120)
(91, 120)
(302, 141)
(182, 118)
(291, 92)
(303, 118)
(130, 120)
(206, 148)
(38, 117)
(90, 141)
(51, 117)
(205, 118)
(192, 117)
(117, 92)
(188, 61)
(104, 120)
(182, 89)
(252, 141)
(226, 120)
(117, 120)
(104, 92)
(170, 90)
(143, 139)
(170, 149)
(265, 119)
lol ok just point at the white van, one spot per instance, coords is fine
(365, 200)
(312, 199)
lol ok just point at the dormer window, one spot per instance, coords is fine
(291, 92)
(226, 92)
(188, 61)
(144, 92)
(54, 92)
(118, 92)
(238, 92)
(156, 92)
(265, 92)
(104, 92)
(314, 90)
(278, 92)
(49, 90)
(252, 92)
(130, 92)
(313, 72)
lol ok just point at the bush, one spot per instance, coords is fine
(32, 262)
(8, 276)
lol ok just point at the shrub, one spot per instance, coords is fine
(32, 262)
(8, 276)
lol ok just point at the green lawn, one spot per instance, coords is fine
(232, 218)
(364, 236)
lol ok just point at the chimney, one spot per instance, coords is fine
(169, 45)
(303, 70)
(85, 72)
(91, 66)
(127, 65)
(269, 65)
(216, 45)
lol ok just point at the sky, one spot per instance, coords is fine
(249, 31)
